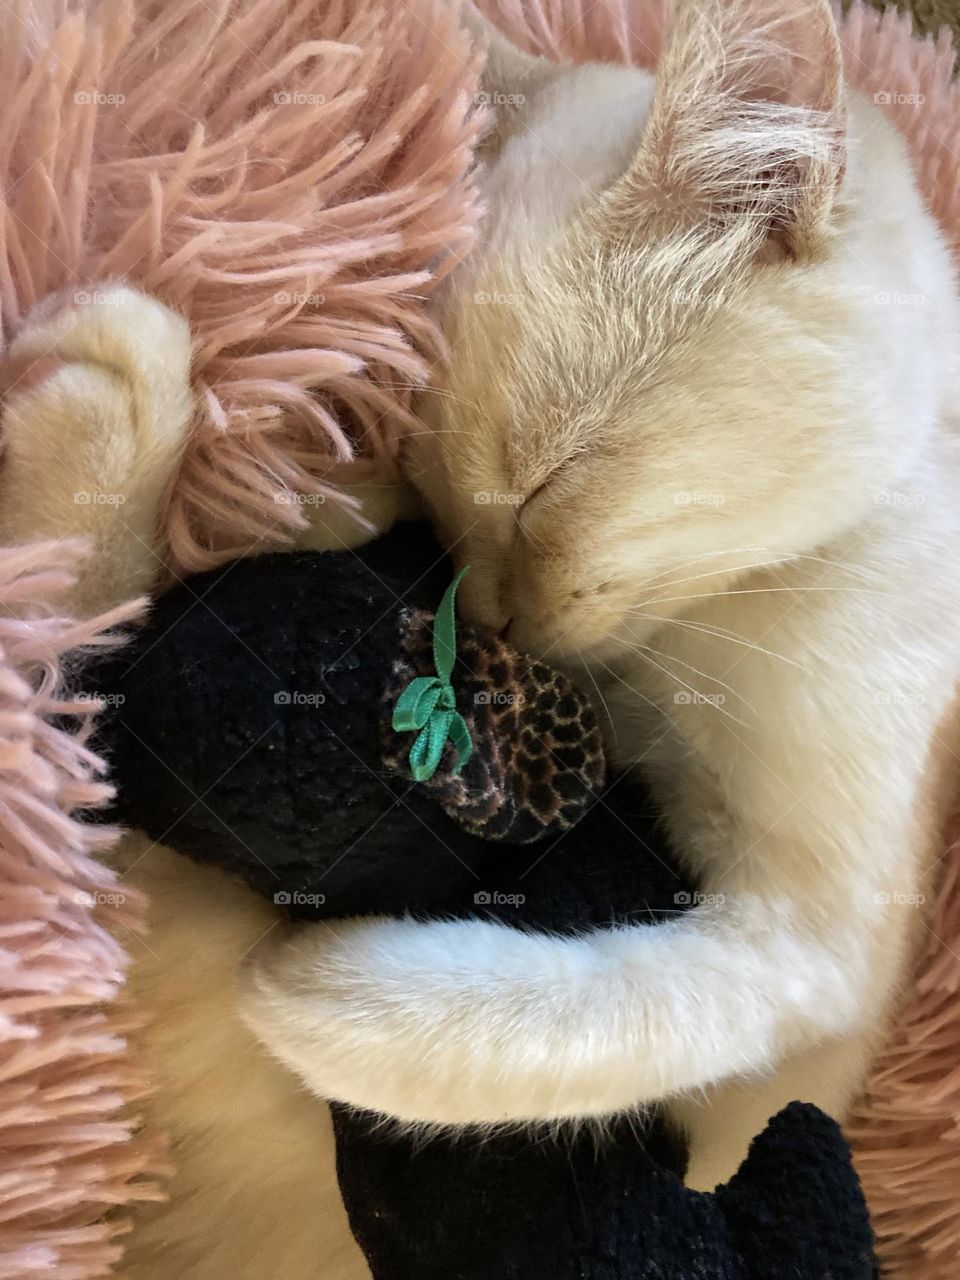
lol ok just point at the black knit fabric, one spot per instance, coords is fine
(245, 733)
(583, 1207)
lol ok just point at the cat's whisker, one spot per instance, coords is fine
(762, 591)
(672, 657)
(443, 392)
(784, 557)
(603, 702)
(643, 652)
(720, 633)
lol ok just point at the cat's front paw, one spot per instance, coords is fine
(108, 326)
(97, 407)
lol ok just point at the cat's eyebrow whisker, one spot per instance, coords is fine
(720, 633)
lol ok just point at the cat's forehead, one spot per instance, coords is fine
(558, 349)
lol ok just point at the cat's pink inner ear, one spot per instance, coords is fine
(747, 120)
(790, 52)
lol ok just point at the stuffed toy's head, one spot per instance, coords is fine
(268, 715)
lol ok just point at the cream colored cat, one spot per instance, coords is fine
(706, 364)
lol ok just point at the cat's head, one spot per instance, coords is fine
(705, 326)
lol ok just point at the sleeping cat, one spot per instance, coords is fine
(697, 440)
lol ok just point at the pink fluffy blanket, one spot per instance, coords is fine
(294, 176)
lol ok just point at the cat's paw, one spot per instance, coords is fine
(97, 407)
(114, 330)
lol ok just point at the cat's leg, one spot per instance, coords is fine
(96, 410)
(721, 1122)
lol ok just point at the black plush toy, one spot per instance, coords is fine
(342, 751)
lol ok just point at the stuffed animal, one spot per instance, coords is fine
(304, 722)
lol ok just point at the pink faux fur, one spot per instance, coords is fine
(65, 1139)
(294, 176)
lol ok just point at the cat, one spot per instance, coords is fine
(697, 439)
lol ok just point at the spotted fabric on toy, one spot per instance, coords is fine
(537, 763)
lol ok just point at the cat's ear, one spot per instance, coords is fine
(511, 78)
(747, 122)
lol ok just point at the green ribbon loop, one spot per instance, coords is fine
(428, 705)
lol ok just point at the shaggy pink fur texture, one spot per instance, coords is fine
(294, 176)
(65, 1139)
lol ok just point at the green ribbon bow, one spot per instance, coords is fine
(429, 704)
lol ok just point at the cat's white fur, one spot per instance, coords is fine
(710, 342)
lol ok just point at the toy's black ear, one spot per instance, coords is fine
(795, 1207)
(537, 763)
